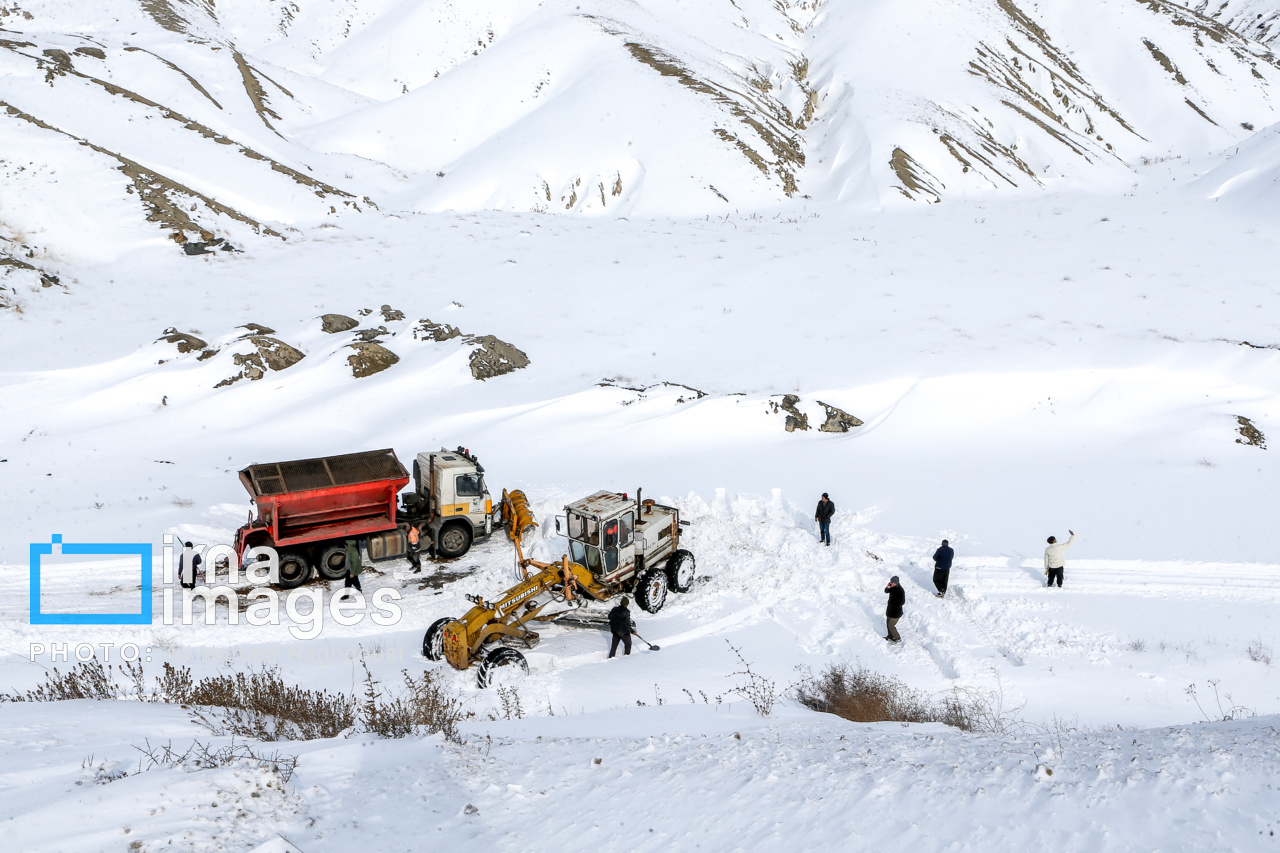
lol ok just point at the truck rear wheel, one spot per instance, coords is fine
(294, 570)
(680, 571)
(651, 590)
(333, 563)
(501, 667)
(433, 640)
(455, 540)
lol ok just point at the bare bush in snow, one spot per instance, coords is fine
(1259, 652)
(761, 692)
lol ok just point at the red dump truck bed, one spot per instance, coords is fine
(332, 497)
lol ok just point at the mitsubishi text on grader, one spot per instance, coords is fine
(616, 545)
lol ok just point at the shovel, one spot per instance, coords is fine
(651, 646)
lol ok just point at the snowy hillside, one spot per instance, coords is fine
(984, 270)
(254, 116)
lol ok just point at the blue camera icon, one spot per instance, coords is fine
(110, 549)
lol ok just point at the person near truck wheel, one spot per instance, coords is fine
(354, 566)
(942, 568)
(621, 628)
(187, 574)
(1055, 559)
(892, 613)
(414, 540)
(822, 515)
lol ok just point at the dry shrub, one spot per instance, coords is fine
(425, 706)
(201, 756)
(1259, 652)
(858, 694)
(262, 706)
(258, 705)
(86, 680)
(763, 693)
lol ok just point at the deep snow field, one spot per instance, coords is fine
(696, 221)
(1021, 367)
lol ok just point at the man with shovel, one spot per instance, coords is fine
(620, 626)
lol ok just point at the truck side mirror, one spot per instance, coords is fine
(559, 529)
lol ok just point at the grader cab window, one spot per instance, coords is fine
(584, 528)
(585, 555)
(469, 485)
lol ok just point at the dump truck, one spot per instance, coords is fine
(616, 545)
(308, 508)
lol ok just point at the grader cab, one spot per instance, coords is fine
(616, 545)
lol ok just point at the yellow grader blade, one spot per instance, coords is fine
(509, 616)
(517, 514)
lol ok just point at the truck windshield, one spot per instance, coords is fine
(470, 485)
(585, 555)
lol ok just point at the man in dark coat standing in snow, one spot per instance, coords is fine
(822, 515)
(187, 574)
(897, 598)
(354, 566)
(620, 627)
(942, 567)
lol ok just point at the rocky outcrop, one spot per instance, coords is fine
(369, 358)
(268, 354)
(332, 324)
(184, 342)
(796, 419)
(838, 420)
(439, 332)
(493, 357)
(1250, 434)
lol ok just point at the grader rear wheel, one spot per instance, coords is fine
(680, 571)
(651, 590)
(502, 667)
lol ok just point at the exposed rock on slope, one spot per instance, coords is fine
(251, 117)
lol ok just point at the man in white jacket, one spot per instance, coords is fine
(1055, 558)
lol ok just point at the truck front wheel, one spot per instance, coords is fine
(455, 540)
(294, 570)
(333, 563)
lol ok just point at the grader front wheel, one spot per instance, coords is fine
(502, 667)
(433, 640)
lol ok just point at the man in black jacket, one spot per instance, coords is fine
(620, 627)
(187, 573)
(893, 612)
(942, 567)
(822, 515)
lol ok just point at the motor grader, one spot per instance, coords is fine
(616, 545)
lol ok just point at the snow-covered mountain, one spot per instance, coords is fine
(128, 120)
